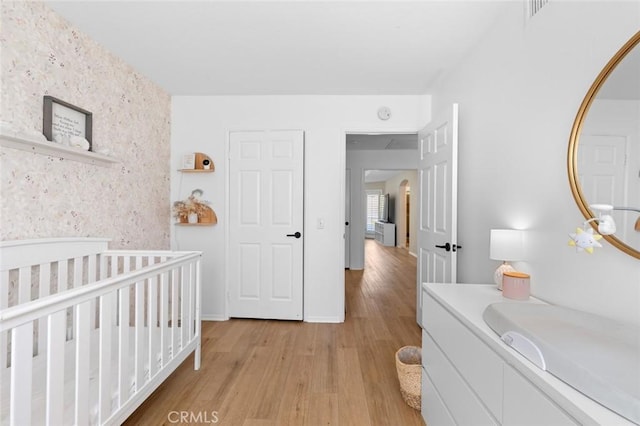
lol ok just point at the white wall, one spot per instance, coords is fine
(519, 92)
(357, 162)
(203, 123)
(392, 186)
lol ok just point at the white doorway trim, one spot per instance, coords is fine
(355, 175)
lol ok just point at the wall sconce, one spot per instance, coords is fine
(505, 245)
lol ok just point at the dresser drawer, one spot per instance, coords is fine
(461, 401)
(526, 405)
(434, 412)
(479, 365)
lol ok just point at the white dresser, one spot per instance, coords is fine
(386, 233)
(471, 377)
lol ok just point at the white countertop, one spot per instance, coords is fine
(467, 302)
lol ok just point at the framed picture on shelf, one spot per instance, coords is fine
(189, 161)
(61, 120)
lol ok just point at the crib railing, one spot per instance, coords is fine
(154, 294)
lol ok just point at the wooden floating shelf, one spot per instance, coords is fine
(56, 150)
(196, 170)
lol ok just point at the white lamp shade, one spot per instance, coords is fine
(506, 244)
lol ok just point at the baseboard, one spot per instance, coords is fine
(309, 319)
(413, 254)
(323, 320)
(213, 318)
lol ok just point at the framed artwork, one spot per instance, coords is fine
(61, 120)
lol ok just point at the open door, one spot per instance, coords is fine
(347, 220)
(438, 186)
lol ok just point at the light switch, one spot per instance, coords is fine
(320, 223)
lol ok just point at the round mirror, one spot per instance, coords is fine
(604, 147)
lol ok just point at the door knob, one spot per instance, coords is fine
(346, 223)
(456, 247)
(446, 246)
(296, 235)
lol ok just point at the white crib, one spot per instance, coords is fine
(87, 333)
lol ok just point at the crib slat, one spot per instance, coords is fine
(123, 346)
(4, 303)
(164, 317)
(44, 290)
(192, 298)
(83, 356)
(114, 266)
(174, 312)
(153, 325)
(92, 268)
(187, 324)
(184, 324)
(63, 274)
(102, 266)
(56, 324)
(104, 273)
(123, 338)
(113, 260)
(45, 280)
(139, 335)
(91, 278)
(24, 284)
(22, 357)
(77, 272)
(21, 374)
(104, 379)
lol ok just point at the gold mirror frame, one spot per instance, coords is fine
(572, 157)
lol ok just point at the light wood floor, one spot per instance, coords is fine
(273, 373)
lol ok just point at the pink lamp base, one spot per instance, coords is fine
(497, 275)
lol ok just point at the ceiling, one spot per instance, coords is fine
(287, 47)
(395, 141)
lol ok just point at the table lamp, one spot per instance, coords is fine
(505, 245)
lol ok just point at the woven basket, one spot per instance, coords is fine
(409, 368)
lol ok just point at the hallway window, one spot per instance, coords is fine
(373, 210)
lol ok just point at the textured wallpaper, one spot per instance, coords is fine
(42, 54)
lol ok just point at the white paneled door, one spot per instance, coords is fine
(347, 220)
(437, 221)
(603, 171)
(266, 224)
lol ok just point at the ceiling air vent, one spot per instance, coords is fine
(534, 6)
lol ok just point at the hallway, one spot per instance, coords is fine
(273, 373)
